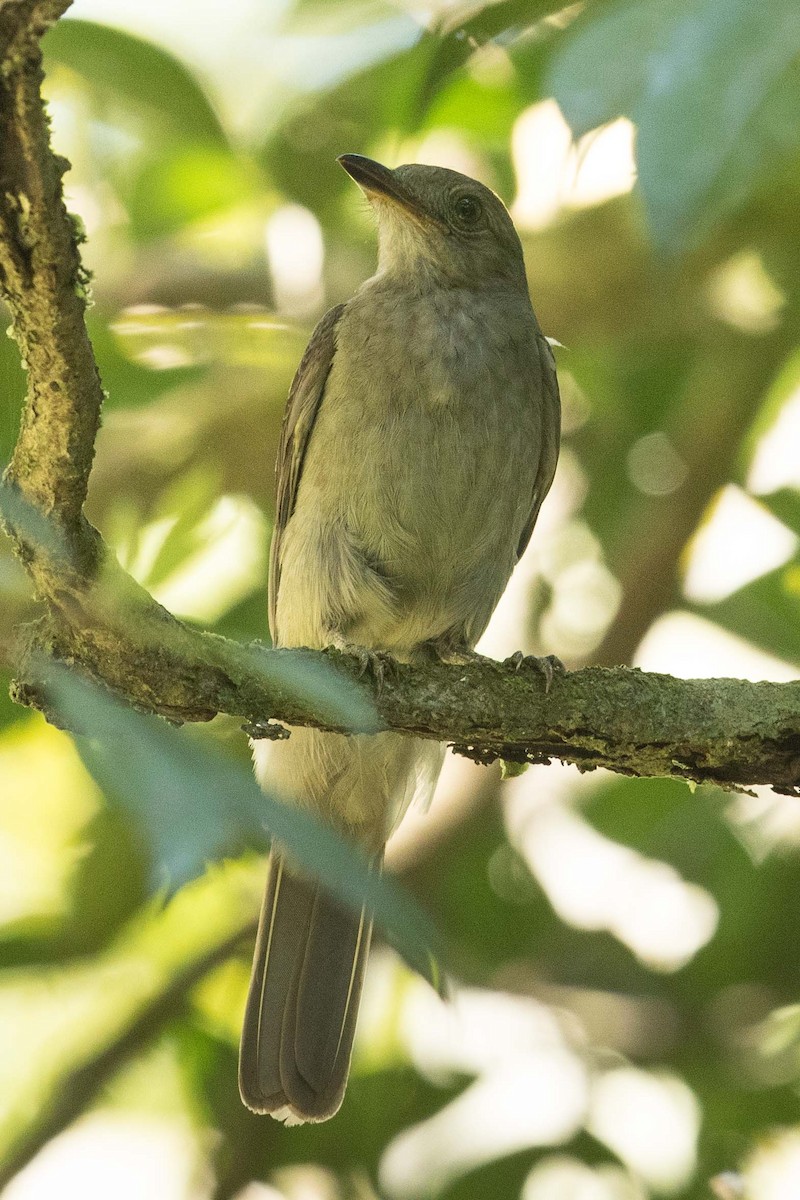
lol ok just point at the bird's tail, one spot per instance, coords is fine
(301, 1011)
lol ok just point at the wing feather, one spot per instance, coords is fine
(551, 436)
(305, 397)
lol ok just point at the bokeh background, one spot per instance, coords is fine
(625, 1021)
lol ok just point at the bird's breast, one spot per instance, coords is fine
(426, 445)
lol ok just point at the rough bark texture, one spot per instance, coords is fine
(727, 731)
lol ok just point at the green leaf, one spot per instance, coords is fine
(704, 83)
(765, 612)
(417, 83)
(202, 337)
(128, 383)
(187, 184)
(67, 1030)
(142, 75)
(601, 71)
(193, 806)
(785, 505)
(300, 153)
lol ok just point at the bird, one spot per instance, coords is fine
(420, 437)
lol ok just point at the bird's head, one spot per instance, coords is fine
(438, 225)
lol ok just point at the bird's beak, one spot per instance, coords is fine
(376, 180)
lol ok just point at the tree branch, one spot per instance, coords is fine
(41, 275)
(99, 620)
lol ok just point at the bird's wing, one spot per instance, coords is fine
(305, 397)
(551, 435)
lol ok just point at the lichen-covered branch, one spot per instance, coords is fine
(41, 277)
(729, 731)
(97, 619)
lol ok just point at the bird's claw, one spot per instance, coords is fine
(451, 655)
(375, 664)
(548, 666)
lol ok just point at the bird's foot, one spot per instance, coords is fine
(548, 666)
(452, 655)
(374, 664)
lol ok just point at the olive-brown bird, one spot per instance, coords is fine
(419, 441)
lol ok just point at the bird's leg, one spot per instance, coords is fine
(548, 666)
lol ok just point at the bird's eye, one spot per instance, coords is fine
(467, 211)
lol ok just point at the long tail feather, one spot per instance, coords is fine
(301, 1012)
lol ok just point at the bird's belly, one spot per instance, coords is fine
(409, 523)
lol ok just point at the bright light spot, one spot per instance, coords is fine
(682, 644)
(668, 920)
(654, 466)
(489, 65)
(40, 840)
(727, 1186)
(542, 150)
(259, 1191)
(445, 148)
(553, 173)
(605, 164)
(476, 1032)
(296, 255)
(509, 628)
(572, 544)
(776, 462)
(561, 1178)
(228, 562)
(585, 595)
(306, 1181)
(742, 294)
(586, 598)
(773, 1172)
(575, 404)
(595, 883)
(165, 357)
(766, 822)
(738, 542)
(108, 1155)
(84, 202)
(651, 1121)
(535, 1100)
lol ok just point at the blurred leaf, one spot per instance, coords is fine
(65, 1031)
(140, 73)
(314, 681)
(485, 110)
(457, 39)
(128, 383)
(200, 336)
(201, 552)
(183, 185)
(181, 508)
(785, 505)
(765, 612)
(708, 87)
(624, 37)
(400, 94)
(300, 154)
(194, 806)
